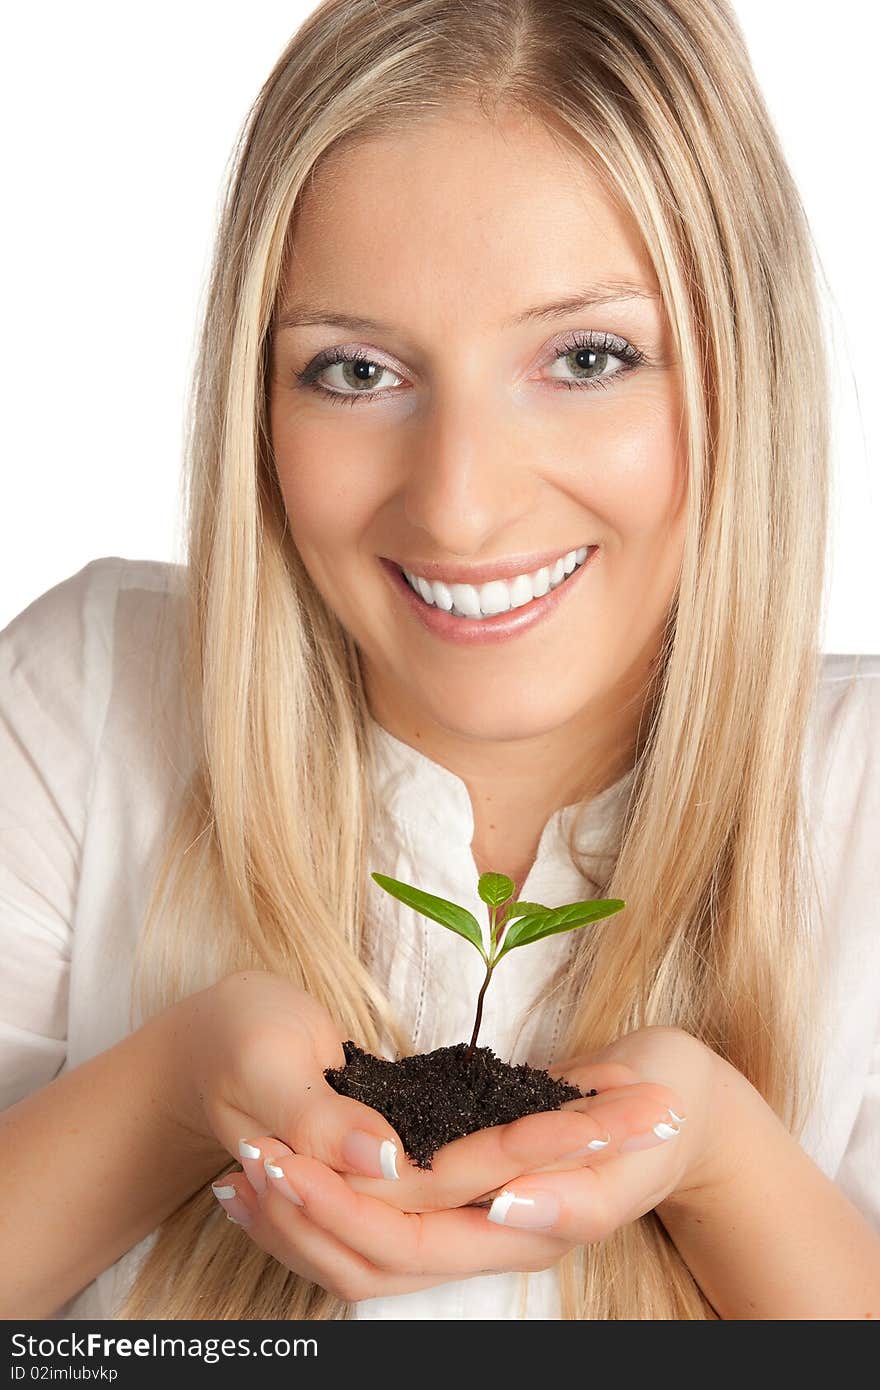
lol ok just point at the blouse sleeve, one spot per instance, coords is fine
(55, 674)
(859, 1173)
(856, 813)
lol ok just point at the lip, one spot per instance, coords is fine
(433, 570)
(474, 632)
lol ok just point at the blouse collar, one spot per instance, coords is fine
(432, 799)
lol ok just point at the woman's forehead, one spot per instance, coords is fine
(503, 214)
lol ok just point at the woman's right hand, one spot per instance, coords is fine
(256, 1047)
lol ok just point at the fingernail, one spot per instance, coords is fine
(657, 1135)
(538, 1211)
(236, 1210)
(281, 1183)
(679, 1119)
(369, 1155)
(249, 1155)
(592, 1147)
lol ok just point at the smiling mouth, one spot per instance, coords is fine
(466, 600)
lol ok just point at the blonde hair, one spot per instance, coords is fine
(266, 865)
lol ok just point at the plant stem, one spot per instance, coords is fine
(473, 1042)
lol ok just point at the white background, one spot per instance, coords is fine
(119, 121)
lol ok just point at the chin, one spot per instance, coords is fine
(502, 716)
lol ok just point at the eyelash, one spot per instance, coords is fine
(600, 343)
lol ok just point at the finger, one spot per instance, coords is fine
(587, 1074)
(352, 1138)
(588, 1206)
(634, 1121)
(588, 1131)
(311, 1253)
(645, 1113)
(469, 1166)
(445, 1245)
(594, 1075)
(236, 1198)
(339, 1131)
(652, 1092)
(286, 1233)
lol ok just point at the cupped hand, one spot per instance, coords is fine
(363, 1239)
(254, 1048)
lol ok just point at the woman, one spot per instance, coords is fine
(418, 183)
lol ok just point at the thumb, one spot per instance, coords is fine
(589, 1072)
(342, 1133)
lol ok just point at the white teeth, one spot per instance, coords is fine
(541, 583)
(442, 596)
(466, 599)
(497, 596)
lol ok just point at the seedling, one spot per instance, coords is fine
(511, 924)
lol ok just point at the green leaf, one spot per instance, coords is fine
(548, 923)
(495, 889)
(520, 909)
(448, 914)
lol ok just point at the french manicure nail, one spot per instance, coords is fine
(657, 1135)
(538, 1211)
(252, 1161)
(236, 1210)
(281, 1183)
(369, 1155)
(592, 1147)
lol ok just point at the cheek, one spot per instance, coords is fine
(330, 494)
(636, 472)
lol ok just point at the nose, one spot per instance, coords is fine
(470, 476)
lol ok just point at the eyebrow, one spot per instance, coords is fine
(299, 316)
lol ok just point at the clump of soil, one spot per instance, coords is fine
(435, 1097)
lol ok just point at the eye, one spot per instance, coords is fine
(356, 369)
(587, 355)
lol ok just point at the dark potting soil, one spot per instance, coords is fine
(435, 1097)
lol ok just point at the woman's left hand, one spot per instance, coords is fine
(376, 1249)
(701, 1154)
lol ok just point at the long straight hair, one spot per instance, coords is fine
(265, 865)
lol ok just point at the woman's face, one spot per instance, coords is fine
(464, 439)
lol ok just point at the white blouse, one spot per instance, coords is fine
(87, 790)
